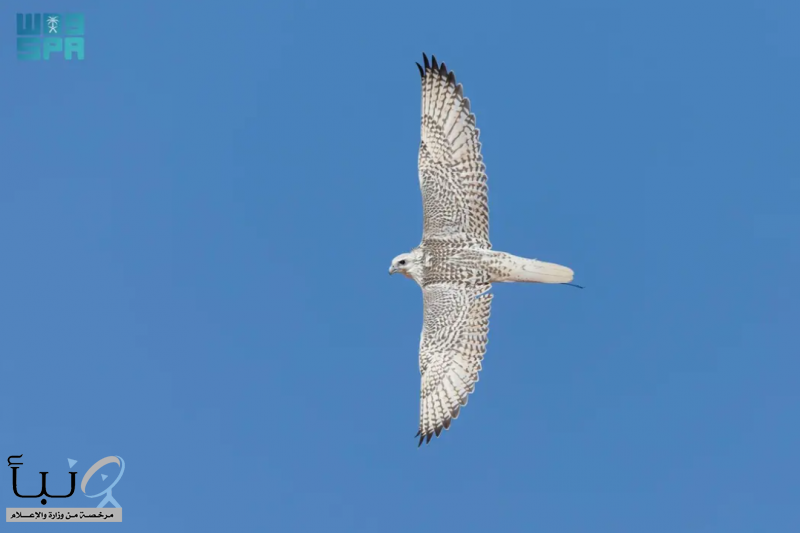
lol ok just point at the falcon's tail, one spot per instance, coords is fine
(533, 271)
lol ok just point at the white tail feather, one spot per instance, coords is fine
(534, 271)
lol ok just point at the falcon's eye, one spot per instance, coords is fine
(403, 262)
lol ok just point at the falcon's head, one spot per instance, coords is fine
(409, 265)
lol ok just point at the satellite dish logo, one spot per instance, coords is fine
(63, 514)
(97, 466)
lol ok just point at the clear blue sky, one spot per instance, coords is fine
(196, 223)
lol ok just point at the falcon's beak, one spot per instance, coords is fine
(392, 270)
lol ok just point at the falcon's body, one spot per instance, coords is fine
(454, 264)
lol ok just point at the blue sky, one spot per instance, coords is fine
(196, 223)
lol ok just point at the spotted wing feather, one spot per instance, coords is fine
(453, 341)
(452, 175)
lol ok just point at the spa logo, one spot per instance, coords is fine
(50, 35)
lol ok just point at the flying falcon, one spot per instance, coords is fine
(455, 264)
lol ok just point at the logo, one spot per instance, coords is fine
(38, 514)
(61, 35)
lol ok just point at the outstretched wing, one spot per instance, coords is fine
(454, 336)
(452, 175)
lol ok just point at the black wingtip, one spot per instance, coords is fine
(434, 66)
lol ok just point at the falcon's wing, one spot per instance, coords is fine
(452, 175)
(454, 336)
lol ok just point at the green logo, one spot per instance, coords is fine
(41, 35)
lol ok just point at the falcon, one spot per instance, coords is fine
(455, 265)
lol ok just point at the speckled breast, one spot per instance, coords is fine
(448, 263)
